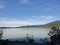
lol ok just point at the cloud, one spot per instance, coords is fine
(13, 23)
(2, 5)
(24, 1)
(5, 22)
(46, 17)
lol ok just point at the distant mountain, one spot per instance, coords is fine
(49, 25)
(31, 26)
(55, 23)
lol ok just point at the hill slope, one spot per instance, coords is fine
(49, 25)
(55, 23)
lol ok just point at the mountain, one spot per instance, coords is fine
(48, 25)
(54, 23)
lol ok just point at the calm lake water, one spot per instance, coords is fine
(21, 32)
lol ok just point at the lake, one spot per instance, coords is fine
(13, 33)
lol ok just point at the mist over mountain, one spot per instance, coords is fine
(48, 25)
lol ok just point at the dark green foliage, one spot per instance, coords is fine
(1, 33)
(55, 38)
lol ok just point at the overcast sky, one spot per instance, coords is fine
(28, 12)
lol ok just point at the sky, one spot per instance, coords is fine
(28, 12)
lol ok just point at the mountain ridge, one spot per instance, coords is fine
(48, 25)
